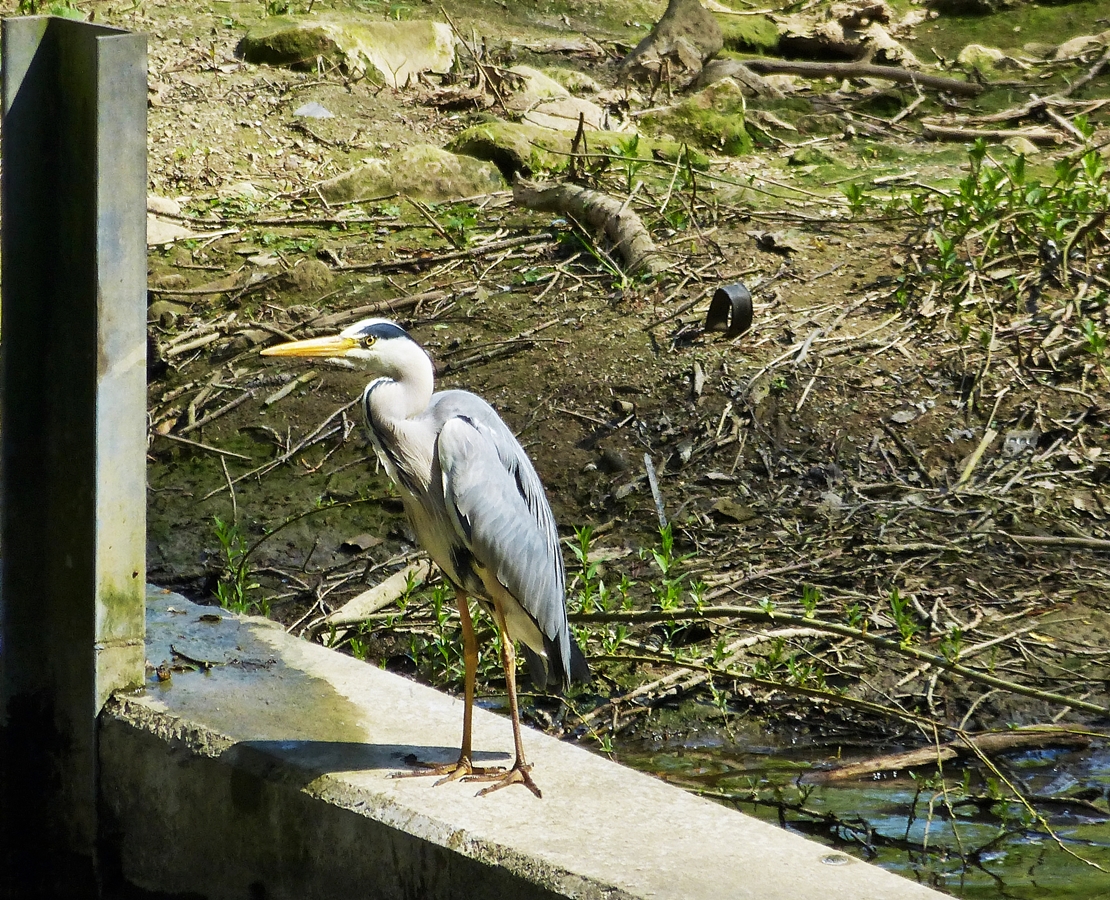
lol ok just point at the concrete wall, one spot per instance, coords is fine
(265, 774)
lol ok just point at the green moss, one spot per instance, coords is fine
(518, 147)
(1008, 30)
(281, 41)
(712, 119)
(749, 34)
(809, 156)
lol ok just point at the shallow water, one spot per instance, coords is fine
(986, 850)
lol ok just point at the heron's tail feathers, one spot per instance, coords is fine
(549, 674)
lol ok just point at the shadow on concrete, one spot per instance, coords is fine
(298, 762)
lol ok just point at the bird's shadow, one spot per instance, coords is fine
(300, 762)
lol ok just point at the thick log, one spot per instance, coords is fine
(600, 212)
(863, 70)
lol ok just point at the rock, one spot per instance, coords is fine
(168, 281)
(980, 57)
(396, 50)
(728, 509)
(1078, 46)
(1020, 146)
(515, 147)
(808, 156)
(881, 47)
(849, 31)
(422, 171)
(165, 312)
(430, 173)
(163, 206)
(713, 118)
(313, 110)
(543, 101)
(574, 81)
(519, 148)
(820, 123)
(369, 181)
(161, 231)
(309, 276)
(680, 43)
(860, 14)
(1039, 50)
(241, 189)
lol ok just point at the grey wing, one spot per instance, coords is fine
(499, 507)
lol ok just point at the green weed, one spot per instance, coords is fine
(1001, 211)
(235, 586)
(904, 619)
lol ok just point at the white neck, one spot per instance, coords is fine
(404, 390)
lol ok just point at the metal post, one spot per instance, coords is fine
(73, 443)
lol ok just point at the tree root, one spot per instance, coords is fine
(601, 213)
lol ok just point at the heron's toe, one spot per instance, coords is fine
(462, 769)
(518, 774)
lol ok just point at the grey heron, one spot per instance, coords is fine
(477, 507)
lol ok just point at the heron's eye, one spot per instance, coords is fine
(369, 340)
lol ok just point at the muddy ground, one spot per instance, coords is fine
(835, 462)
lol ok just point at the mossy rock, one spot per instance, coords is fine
(421, 171)
(712, 118)
(436, 175)
(819, 123)
(284, 41)
(370, 181)
(517, 147)
(575, 82)
(749, 34)
(310, 276)
(396, 50)
(982, 59)
(809, 156)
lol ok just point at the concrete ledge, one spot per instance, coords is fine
(266, 776)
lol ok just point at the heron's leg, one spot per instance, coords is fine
(465, 765)
(470, 665)
(519, 773)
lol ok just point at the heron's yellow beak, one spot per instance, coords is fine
(333, 346)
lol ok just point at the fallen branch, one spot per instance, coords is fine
(771, 617)
(504, 348)
(226, 408)
(380, 595)
(327, 323)
(946, 133)
(206, 447)
(689, 682)
(863, 70)
(479, 250)
(602, 213)
(288, 454)
(1051, 540)
(991, 742)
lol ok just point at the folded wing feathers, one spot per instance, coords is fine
(503, 514)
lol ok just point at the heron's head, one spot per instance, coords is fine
(376, 345)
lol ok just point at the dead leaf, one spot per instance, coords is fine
(359, 543)
(733, 511)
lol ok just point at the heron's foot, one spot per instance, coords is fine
(518, 774)
(456, 771)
